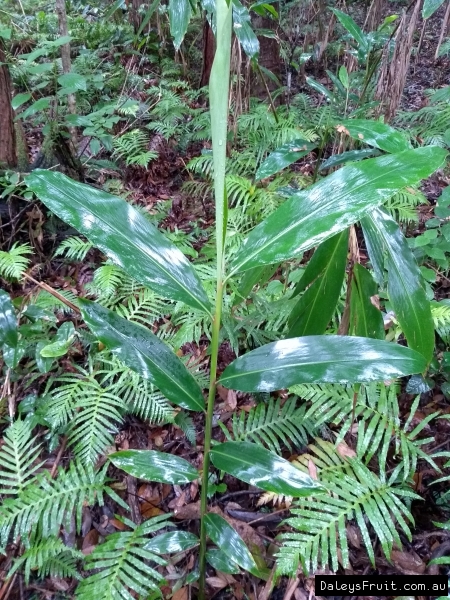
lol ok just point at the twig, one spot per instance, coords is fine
(7, 587)
(291, 588)
(54, 293)
(58, 457)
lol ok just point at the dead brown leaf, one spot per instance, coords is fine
(408, 563)
(181, 594)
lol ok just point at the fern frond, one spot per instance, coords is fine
(47, 504)
(144, 308)
(107, 279)
(441, 317)
(91, 412)
(186, 424)
(319, 537)
(74, 248)
(404, 203)
(124, 565)
(132, 147)
(18, 458)
(51, 558)
(46, 300)
(14, 263)
(269, 424)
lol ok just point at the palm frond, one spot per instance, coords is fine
(18, 457)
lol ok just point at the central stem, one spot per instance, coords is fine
(207, 440)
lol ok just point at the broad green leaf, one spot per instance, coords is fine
(172, 542)
(430, 7)
(64, 338)
(350, 156)
(150, 465)
(283, 157)
(43, 364)
(179, 17)
(354, 30)
(258, 275)
(243, 29)
(142, 351)
(123, 234)
(365, 318)
(377, 134)
(20, 99)
(229, 542)
(311, 216)
(8, 321)
(5, 33)
(221, 562)
(264, 469)
(343, 76)
(320, 359)
(324, 275)
(40, 104)
(405, 284)
(218, 96)
(321, 89)
(73, 81)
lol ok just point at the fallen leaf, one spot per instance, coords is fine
(312, 469)
(409, 563)
(181, 594)
(345, 451)
(90, 541)
(148, 511)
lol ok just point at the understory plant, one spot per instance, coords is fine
(322, 216)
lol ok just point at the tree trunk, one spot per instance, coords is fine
(8, 154)
(208, 53)
(269, 58)
(135, 16)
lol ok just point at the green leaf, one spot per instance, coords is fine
(343, 76)
(365, 318)
(377, 134)
(218, 96)
(8, 321)
(243, 29)
(321, 89)
(405, 285)
(5, 33)
(221, 562)
(20, 99)
(73, 81)
(283, 157)
(172, 542)
(320, 359)
(264, 469)
(310, 217)
(61, 345)
(179, 16)
(145, 353)
(150, 465)
(354, 30)
(37, 106)
(324, 275)
(430, 7)
(350, 156)
(229, 542)
(123, 234)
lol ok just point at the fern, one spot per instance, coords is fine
(74, 248)
(89, 410)
(124, 565)
(144, 308)
(319, 535)
(51, 558)
(47, 504)
(107, 280)
(403, 205)
(379, 427)
(132, 147)
(14, 263)
(18, 457)
(271, 424)
(441, 317)
(186, 424)
(47, 301)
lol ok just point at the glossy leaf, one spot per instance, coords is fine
(221, 562)
(377, 134)
(324, 275)
(350, 156)
(354, 30)
(283, 157)
(321, 89)
(73, 81)
(229, 542)
(260, 467)
(430, 7)
(218, 97)
(320, 359)
(405, 284)
(63, 340)
(123, 234)
(150, 465)
(243, 29)
(366, 319)
(8, 321)
(172, 542)
(179, 17)
(142, 351)
(258, 275)
(310, 217)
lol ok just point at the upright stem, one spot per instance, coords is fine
(207, 441)
(218, 95)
